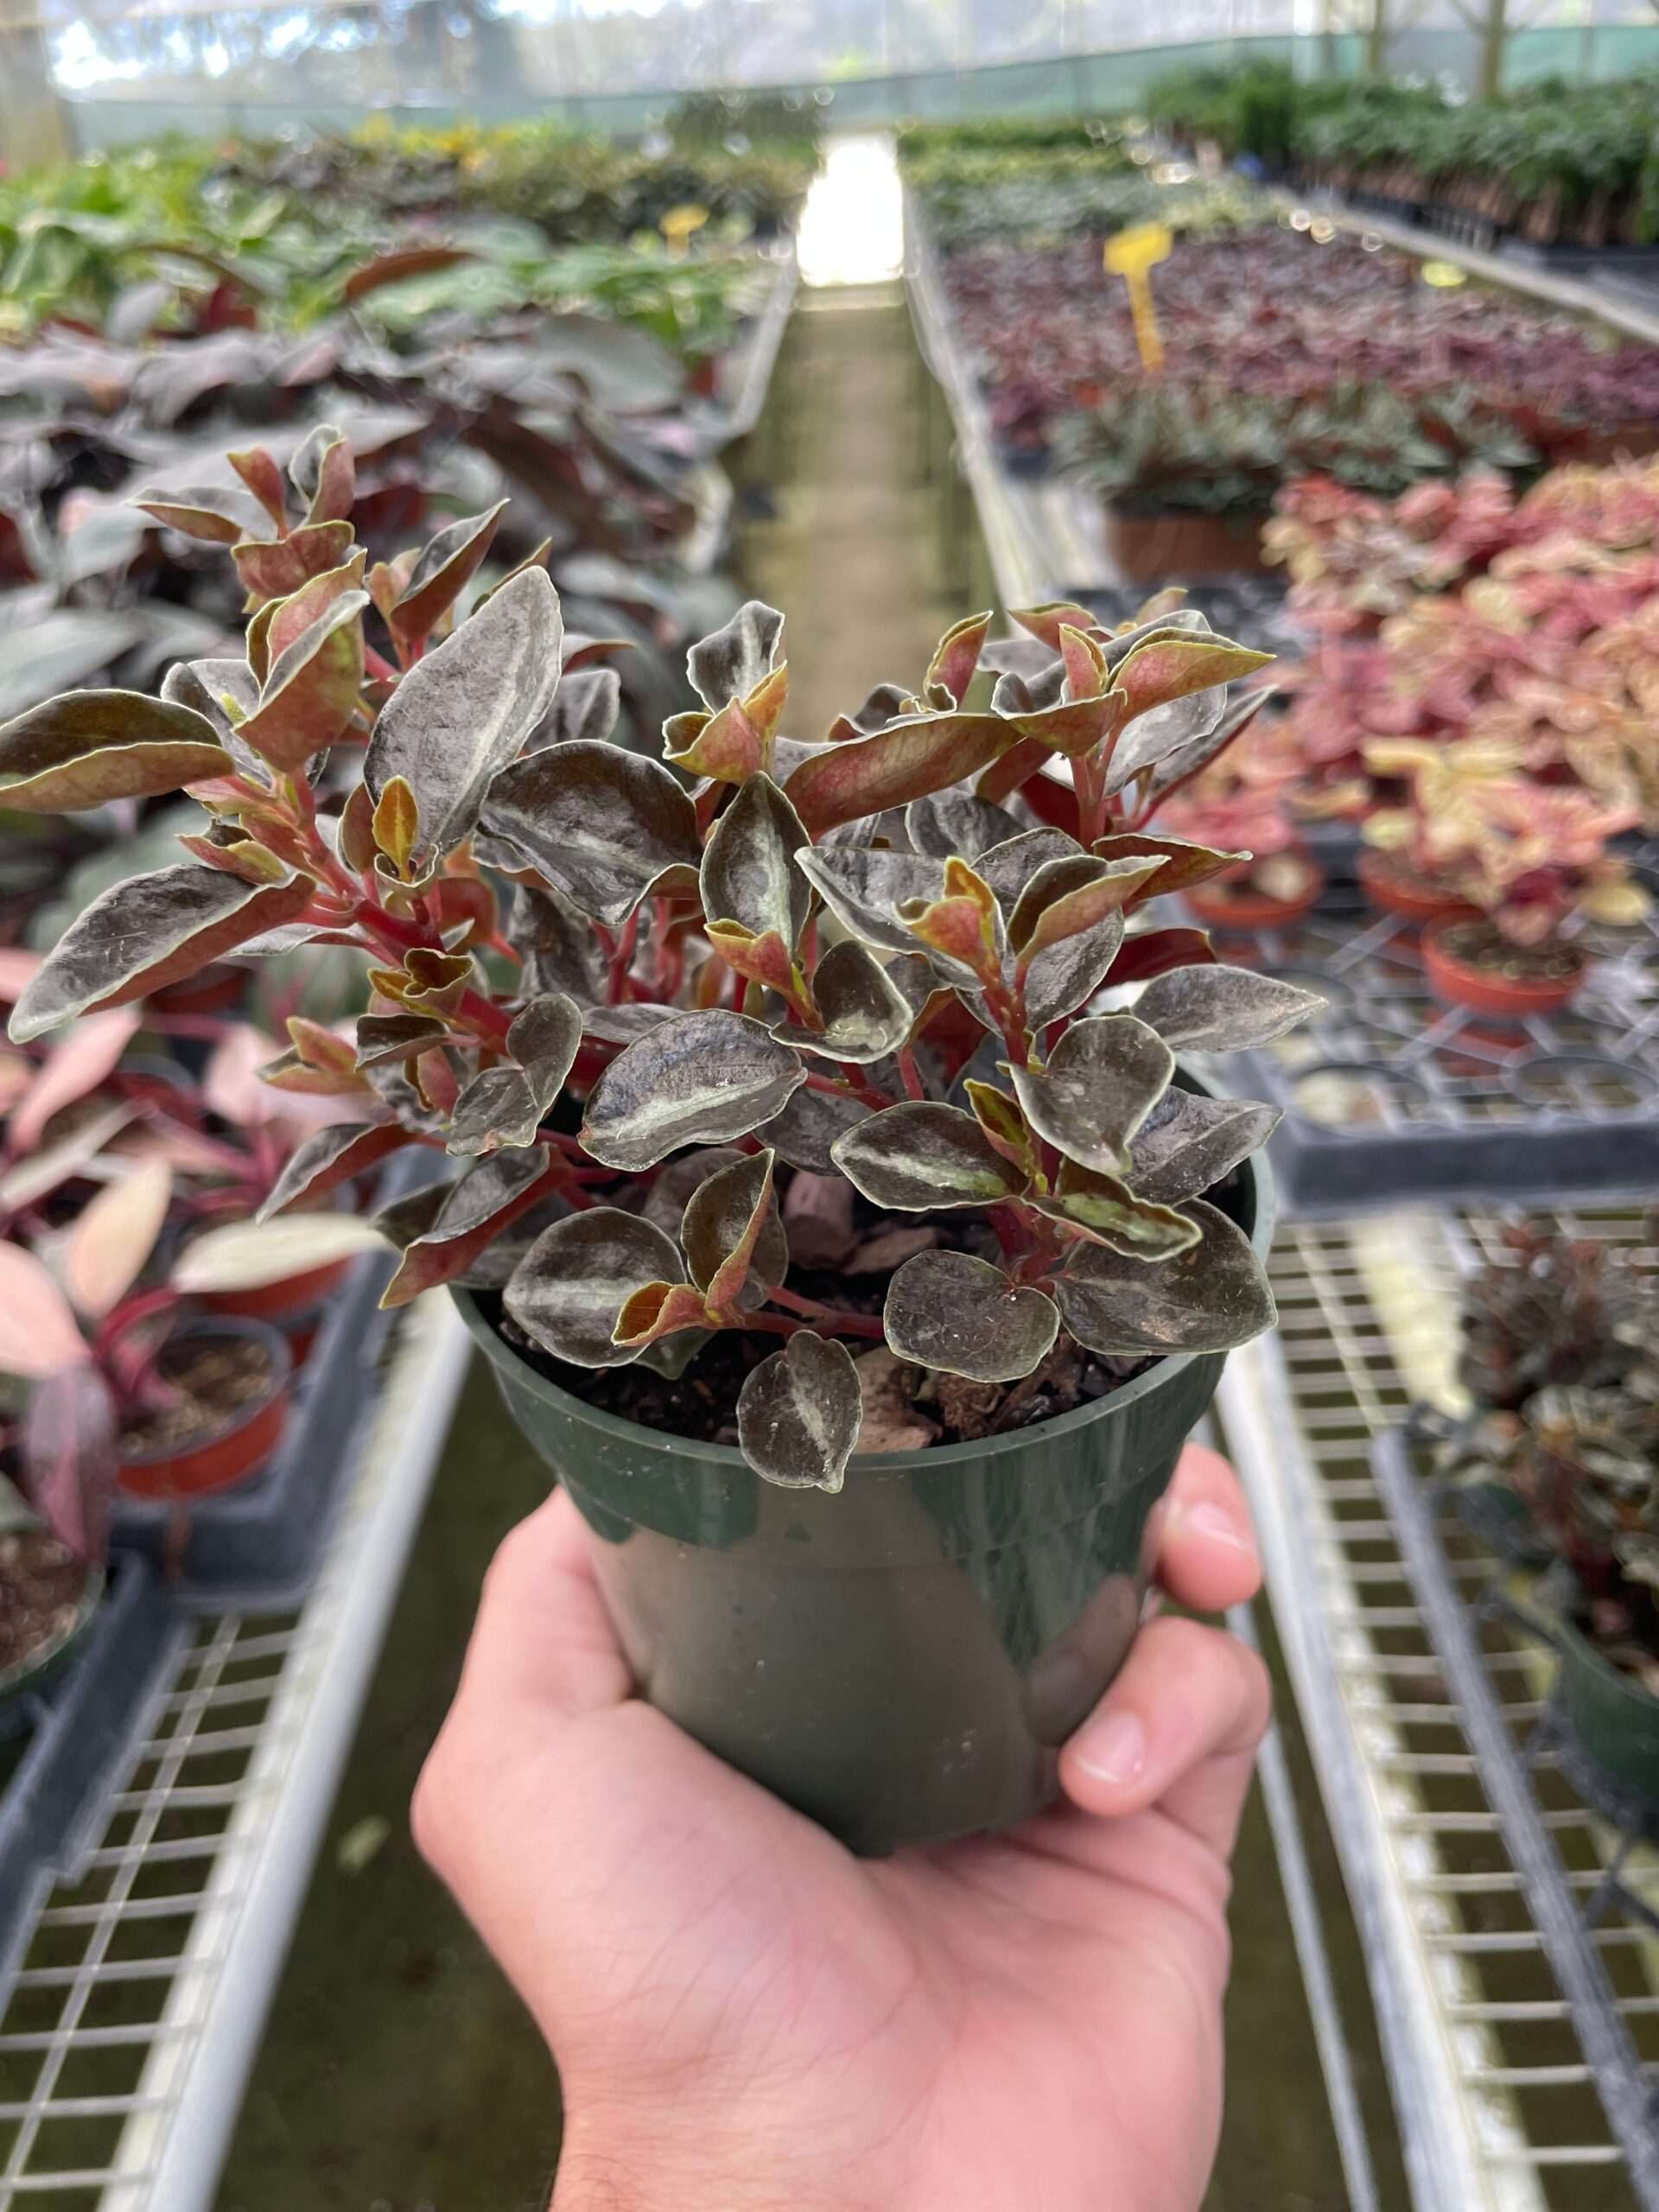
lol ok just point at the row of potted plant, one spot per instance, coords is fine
(1549, 161)
(1490, 655)
(804, 1101)
(1020, 192)
(1259, 326)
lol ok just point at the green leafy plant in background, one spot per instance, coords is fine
(1562, 1357)
(973, 195)
(850, 960)
(1158, 447)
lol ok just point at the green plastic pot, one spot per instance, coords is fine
(903, 1659)
(1614, 1718)
(21, 1684)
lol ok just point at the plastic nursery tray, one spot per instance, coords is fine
(78, 1724)
(1389, 1096)
(1593, 1908)
(262, 1539)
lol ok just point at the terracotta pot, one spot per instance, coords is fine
(295, 1299)
(232, 1454)
(1148, 549)
(1459, 980)
(1241, 909)
(1389, 883)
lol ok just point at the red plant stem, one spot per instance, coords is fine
(837, 1324)
(374, 664)
(907, 1069)
(622, 957)
(852, 1082)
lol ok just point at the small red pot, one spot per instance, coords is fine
(1457, 981)
(295, 1299)
(1148, 549)
(1398, 889)
(238, 1451)
(1241, 909)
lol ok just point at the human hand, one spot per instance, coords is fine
(747, 2018)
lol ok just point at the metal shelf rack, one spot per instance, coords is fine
(1495, 2095)
(128, 2034)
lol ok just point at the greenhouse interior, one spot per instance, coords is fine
(1002, 666)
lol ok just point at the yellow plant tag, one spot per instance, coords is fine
(1131, 255)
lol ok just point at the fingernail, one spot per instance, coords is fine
(1113, 1749)
(1220, 1526)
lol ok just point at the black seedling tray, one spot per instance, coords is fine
(1390, 1097)
(78, 1725)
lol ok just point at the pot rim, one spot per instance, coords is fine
(18, 1678)
(1434, 942)
(282, 1374)
(1587, 1653)
(964, 1453)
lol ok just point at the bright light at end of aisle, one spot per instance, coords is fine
(852, 229)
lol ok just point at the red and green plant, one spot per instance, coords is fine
(851, 959)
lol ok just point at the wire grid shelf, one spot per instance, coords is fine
(1496, 2099)
(1389, 1096)
(129, 2028)
(1597, 1920)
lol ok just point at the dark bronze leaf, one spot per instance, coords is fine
(601, 825)
(1106, 1211)
(749, 874)
(557, 944)
(322, 1161)
(1009, 867)
(798, 1413)
(569, 1290)
(1218, 1009)
(487, 1199)
(805, 1133)
(446, 565)
(1103, 1078)
(504, 1105)
(465, 710)
(1187, 1143)
(917, 1156)
(955, 825)
(865, 1016)
(730, 1231)
(957, 1315)
(696, 1078)
(864, 887)
(730, 663)
(1208, 1298)
(146, 932)
(87, 746)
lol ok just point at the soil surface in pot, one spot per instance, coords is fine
(41, 1586)
(905, 1408)
(1482, 945)
(217, 1378)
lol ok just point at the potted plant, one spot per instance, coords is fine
(53, 1544)
(850, 987)
(1521, 856)
(1188, 470)
(186, 1406)
(1583, 1461)
(1240, 803)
